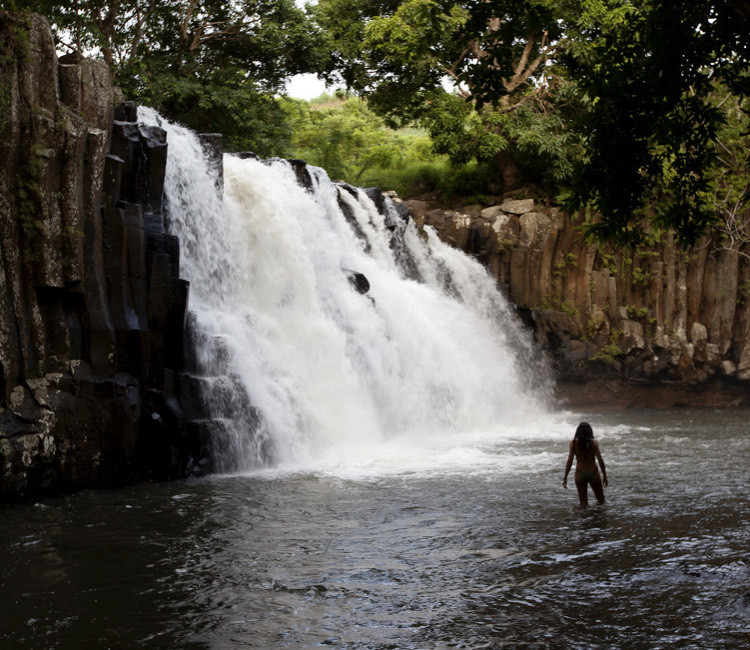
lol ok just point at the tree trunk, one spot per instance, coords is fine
(509, 171)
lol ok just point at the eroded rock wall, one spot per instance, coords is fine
(651, 326)
(92, 309)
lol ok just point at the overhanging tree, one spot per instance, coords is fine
(210, 64)
(651, 71)
(614, 96)
(508, 97)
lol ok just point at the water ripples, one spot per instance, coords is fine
(470, 560)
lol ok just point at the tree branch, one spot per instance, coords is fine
(186, 20)
(140, 18)
(524, 70)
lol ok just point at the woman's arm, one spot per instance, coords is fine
(601, 463)
(568, 465)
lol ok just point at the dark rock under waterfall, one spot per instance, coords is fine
(92, 308)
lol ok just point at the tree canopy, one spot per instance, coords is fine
(210, 64)
(496, 56)
(346, 138)
(653, 72)
(630, 107)
(614, 99)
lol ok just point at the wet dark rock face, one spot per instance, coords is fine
(92, 308)
(653, 326)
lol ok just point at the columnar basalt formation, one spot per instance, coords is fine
(92, 309)
(654, 325)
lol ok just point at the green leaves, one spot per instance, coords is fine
(649, 69)
(345, 138)
(402, 55)
(414, 33)
(212, 65)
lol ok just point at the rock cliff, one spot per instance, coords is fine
(92, 310)
(654, 325)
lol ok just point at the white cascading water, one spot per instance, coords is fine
(431, 356)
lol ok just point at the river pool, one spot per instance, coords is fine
(470, 544)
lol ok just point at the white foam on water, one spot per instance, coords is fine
(429, 371)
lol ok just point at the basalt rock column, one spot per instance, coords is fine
(92, 309)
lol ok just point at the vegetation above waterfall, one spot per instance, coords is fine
(214, 66)
(618, 102)
(636, 109)
(352, 142)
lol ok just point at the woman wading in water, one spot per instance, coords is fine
(586, 452)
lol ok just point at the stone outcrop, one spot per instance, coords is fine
(654, 325)
(92, 309)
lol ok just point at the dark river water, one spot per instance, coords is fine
(487, 551)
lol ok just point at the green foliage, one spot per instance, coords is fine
(29, 199)
(250, 119)
(593, 327)
(648, 69)
(14, 46)
(641, 277)
(729, 182)
(352, 143)
(743, 292)
(508, 108)
(346, 139)
(435, 175)
(561, 268)
(637, 314)
(568, 260)
(611, 351)
(544, 144)
(552, 303)
(212, 65)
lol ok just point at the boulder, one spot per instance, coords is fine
(519, 206)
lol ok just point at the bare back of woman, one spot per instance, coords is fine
(586, 452)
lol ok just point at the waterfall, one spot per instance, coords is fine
(301, 359)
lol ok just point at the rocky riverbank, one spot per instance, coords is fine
(654, 325)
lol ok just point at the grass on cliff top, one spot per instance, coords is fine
(344, 137)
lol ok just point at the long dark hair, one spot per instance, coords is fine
(584, 436)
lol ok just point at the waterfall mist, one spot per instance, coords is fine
(301, 368)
